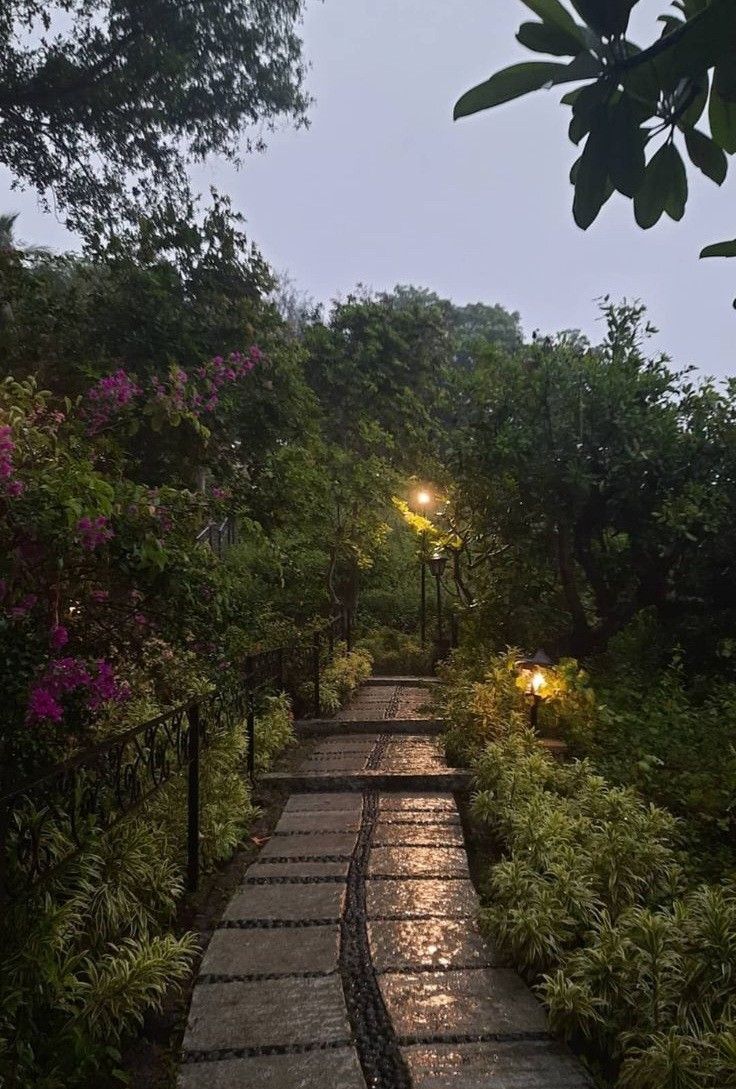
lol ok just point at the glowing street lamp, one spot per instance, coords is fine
(533, 670)
(422, 499)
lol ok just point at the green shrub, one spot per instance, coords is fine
(397, 654)
(590, 900)
(274, 730)
(85, 958)
(342, 677)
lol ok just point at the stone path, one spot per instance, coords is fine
(350, 957)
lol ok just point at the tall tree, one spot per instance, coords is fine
(103, 102)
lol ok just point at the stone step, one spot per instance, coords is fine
(451, 781)
(402, 682)
(328, 727)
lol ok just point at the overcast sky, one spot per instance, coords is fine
(384, 188)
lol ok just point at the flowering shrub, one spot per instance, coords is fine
(88, 558)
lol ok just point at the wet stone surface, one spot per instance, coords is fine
(461, 1003)
(318, 822)
(267, 1012)
(350, 956)
(428, 943)
(522, 1064)
(411, 898)
(295, 871)
(447, 835)
(236, 952)
(311, 844)
(418, 862)
(418, 802)
(336, 1068)
(324, 803)
(286, 903)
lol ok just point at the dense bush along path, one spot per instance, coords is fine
(350, 956)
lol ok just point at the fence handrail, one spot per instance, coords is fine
(114, 778)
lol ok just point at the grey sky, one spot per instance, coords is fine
(384, 188)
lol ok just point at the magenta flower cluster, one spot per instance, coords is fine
(66, 675)
(9, 484)
(111, 394)
(107, 398)
(94, 532)
(201, 393)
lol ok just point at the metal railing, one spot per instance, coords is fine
(219, 536)
(47, 820)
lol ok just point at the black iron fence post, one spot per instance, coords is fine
(193, 799)
(331, 639)
(250, 717)
(316, 673)
(349, 629)
(280, 669)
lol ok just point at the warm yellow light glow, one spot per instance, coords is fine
(538, 682)
(424, 499)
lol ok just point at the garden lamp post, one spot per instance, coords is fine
(423, 500)
(437, 565)
(533, 670)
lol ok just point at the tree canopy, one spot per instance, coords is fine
(103, 103)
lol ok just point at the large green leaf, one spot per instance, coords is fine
(553, 13)
(625, 140)
(706, 155)
(722, 116)
(590, 176)
(521, 79)
(676, 200)
(586, 108)
(543, 38)
(651, 199)
(607, 17)
(705, 39)
(720, 249)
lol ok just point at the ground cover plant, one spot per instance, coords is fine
(599, 896)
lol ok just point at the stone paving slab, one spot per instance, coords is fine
(418, 802)
(473, 1002)
(416, 968)
(264, 952)
(267, 1013)
(413, 898)
(418, 861)
(350, 742)
(347, 763)
(312, 844)
(428, 943)
(449, 780)
(336, 1068)
(296, 870)
(522, 1064)
(424, 682)
(286, 903)
(359, 727)
(346, 802)
(432, 818)
(322, 821)
(448, 835)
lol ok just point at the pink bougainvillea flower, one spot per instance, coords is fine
(94, 532)
(107, 398)
(100, 596)
(43, 705)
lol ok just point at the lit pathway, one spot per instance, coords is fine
(350, 957)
